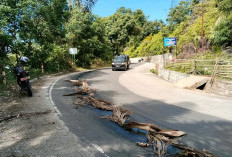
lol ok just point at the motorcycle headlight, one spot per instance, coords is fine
(112, 63)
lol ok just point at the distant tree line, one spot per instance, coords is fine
(44, 30)
(184, 21)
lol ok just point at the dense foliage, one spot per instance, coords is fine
(44, 30)
(185, 22)
(126, 28)
(86, 32)
(40, 30)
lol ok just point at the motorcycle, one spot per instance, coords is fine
(23, 78)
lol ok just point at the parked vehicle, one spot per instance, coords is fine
(23, 78)
(121, 62)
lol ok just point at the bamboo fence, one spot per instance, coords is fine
(216, 68)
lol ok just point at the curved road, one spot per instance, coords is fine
(101, 137)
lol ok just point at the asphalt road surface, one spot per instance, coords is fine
(104, 138)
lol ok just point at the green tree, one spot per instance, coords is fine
(5, 43)
(222, 34)
(84, 5)
(178, 14)
(29, 22)
(152, 27)
(127, 28)
(10, 15)
(86, 32)
(119, 26)
(225, 6)
(42, 26)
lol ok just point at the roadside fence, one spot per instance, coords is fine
(213, 68)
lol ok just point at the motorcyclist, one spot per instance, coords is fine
(18, 69)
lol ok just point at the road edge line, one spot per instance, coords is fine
(51, 100)
(51, 87)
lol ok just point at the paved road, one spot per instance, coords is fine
(104, 138)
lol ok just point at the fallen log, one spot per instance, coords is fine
(191, 152)
(85, 85)
(159, 143)
(160, 147)
(78, 102)
(81, 92)
(120, 116)
(143, 144)
(157, 137)
(76, 82)
(172, 133)
(76, 93)
(81, 97)
(143, 126)
(106, 102)
(97, 103)
(187, 151)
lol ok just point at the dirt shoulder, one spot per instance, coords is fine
(35, 128)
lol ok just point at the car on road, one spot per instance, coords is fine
(121, 62)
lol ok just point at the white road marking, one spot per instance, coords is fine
(98, 148)
(50, 91)
(51, 100)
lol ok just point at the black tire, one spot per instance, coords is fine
(29, 92)
(113, 69)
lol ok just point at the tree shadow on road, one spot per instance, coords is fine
(203, 131)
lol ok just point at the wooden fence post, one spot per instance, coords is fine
(58, 66)
(215, 70)
(195, 67)
(42, 68)
(4, 76)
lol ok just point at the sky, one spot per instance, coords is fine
(154, 9)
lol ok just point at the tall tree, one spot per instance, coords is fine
(223, 28)
(85, 5)
(225, 6)
(11, 15)
(87, 33)
(178, 14)
(121, 26)
(42, 26)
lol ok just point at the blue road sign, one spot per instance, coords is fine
(170, 41)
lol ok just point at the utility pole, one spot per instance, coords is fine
(173, 3)
(202, 30)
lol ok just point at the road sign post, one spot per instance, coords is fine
(172, 41)
(73, 52)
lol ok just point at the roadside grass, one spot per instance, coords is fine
(101, 65)
(6, 90)
(204, 64)
(180, 68)
(11, 80)
(154, 71)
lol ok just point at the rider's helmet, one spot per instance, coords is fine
(24, 59)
